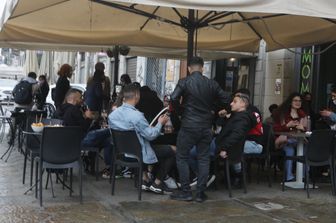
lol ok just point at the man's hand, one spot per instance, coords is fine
(325, 113)
(88, 114)
(223, 154)
(222, 113)
(163, 119)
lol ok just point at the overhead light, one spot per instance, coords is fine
(232, 59)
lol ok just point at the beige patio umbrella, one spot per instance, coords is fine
(224, 25)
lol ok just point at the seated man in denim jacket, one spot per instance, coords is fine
(127, 117)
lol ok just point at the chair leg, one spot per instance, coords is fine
(244, 175)
(307, 180)
(31, 168)
(36, 177)
(70, 182)
(258, 170)
(40, 183)
(46, 186)
(80, 183)
(113, 166)
(228, 180)
(268, 168)
(52, 186)
(284, 175)
(140, 182)
(25, 167)
(97, 165)
(332, 178)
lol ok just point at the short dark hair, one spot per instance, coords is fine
(32, 75)
(244, 97)
(272, 107)
(70, 92)
(243, 91)
(130, 91)
(43, 77)
(125, 78)
(196, 61)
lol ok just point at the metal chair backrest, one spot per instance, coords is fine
(321, 146)
(268, 139)
(61, 145)
(126, 142)
(52, 121)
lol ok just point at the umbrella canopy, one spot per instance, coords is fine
(225, 25)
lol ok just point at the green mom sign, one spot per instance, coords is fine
(306, 70)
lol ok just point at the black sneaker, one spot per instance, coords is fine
(156, 188)
(182, 196)
(201, 197)
(145, 186)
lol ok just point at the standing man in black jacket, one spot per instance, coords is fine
(198, 95)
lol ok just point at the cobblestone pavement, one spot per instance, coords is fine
(260, 204)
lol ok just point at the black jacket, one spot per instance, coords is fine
(199, 95)
(94, 96)
(73, 116)
(232, 136)
(62, 87)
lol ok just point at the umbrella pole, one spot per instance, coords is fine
(191, 32)
(116, 67)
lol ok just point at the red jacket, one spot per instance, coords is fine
(280, 124)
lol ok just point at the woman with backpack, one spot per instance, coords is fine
(63, 84)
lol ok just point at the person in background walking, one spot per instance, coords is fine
(63, 84)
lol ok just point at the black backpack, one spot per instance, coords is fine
(23, 93)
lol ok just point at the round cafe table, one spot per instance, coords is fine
(300, 136)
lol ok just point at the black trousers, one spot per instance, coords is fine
(166, 158)
(186, 139)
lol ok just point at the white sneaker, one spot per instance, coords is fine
(193, 184)
(171, 183)
(211, 179)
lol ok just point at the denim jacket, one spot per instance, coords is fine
(127, 117)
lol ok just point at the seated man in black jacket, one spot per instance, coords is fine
(72, 115)
(230, 141)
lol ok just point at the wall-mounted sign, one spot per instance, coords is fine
(306, 70)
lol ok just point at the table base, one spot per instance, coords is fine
(297, 185)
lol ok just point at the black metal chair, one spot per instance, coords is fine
(320, 152)
(126, 143)
(227, 163)
(32, 143)
(265, 156)
(60, 149)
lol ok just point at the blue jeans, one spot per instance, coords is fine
(249, 147)
(193, 156)
(289, 151)
(100, 138)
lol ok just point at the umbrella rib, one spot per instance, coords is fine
(250, 25)
(214, 18)
(155, 10)
(178, 13)
(329, 20)
(137, 11)
(247, 19)
(206, 15)
(39, 9)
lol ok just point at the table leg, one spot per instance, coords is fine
(298, 184)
